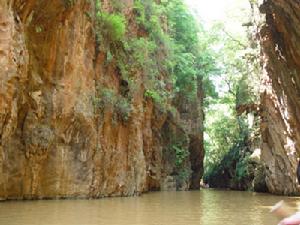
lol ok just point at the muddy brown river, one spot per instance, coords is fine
(206, 207)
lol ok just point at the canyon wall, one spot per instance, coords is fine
(280, 99)
(54, 141)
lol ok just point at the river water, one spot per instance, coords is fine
(206, 207)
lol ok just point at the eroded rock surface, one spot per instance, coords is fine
(53, 143)
(280, 99)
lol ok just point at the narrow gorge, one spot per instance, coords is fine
(107, 98)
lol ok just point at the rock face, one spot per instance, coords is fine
(53, 143)
(280, 38)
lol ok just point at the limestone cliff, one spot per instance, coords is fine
(280, 102)
(54, 141)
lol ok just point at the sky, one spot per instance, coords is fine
(210, 11)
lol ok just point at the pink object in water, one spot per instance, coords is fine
(292, 220)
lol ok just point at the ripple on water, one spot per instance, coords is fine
(205, 207)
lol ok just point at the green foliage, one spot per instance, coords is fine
(153, 95)
(168, 51)
(149, 16)
(221, 133)
(110, 27)
(141, 54)
(242, 170)
(228, 131)
(181, 155)
(181, 158)
(98, 6)
(108, 100)
(123, 109)
(236, 170)
(109, 57)
(192, 58)
(113, 26)
(243, 94)
(187, 59)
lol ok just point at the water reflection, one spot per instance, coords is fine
(211, 207)
(237, 208)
